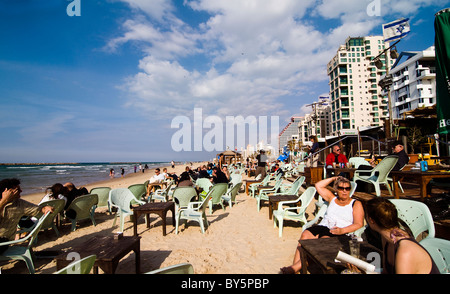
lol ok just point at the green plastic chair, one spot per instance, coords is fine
(216, 192)
(58, 207)
(161, 194)
(182, 196)
(138, 190)
(293, 188)
(25, 253)
(205, 184)
(84, 206)
(195, 211)
(178, 269)
(252, 188)
(103, 196)
(416, 215)
(122, 199)
(296, 213)
(382, 169)
(358, 161)
(49, 223)
(230, 195)
(264, 193)
(82, 266)
(439, 249)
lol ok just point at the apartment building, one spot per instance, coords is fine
(290, 132)
(317, 122)
(413, 81)
(356, 98)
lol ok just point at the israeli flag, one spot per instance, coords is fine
(396, 30)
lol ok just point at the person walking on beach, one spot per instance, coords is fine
(122, 172)
(12, 209)
(111, 173)
(262, 162)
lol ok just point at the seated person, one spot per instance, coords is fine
(403, 255)
(344, 215)
(72, 193)
(397, 149)
(185, 180)
(170, 176)
(13, 208)
(218, 176)
(157, 178)
(278, 170)
(203, 173)
(57, 191)
(335, 157)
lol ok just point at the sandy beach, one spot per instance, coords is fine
(240, 240)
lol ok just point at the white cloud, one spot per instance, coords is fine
(257, 52)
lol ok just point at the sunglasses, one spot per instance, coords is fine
(344, 188)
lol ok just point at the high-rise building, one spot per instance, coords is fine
(317, 122)
(289, 133)
(356, 98)
(413, 81)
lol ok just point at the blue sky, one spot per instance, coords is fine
(106, 85)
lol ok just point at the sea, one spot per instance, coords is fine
(35, 178)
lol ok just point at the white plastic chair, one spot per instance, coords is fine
(296, 213)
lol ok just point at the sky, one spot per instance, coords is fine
(121, 80)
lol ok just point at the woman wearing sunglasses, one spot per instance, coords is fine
(344, 215)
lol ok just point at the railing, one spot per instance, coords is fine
(340, 140)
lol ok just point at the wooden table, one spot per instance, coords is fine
(338, 170)
(422, 178)
(274, 200)
(160, 208)
(108, 252)
(322, 252)
(249, 182)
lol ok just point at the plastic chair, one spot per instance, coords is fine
(416, 215)
(358, 161)
(294, 187)
(58, 206)
(161, 194)
(379, 174)
(264, 193)
(82, 266)
(122, 199)
(182, 196)
(138, 190)
(205, 184)
(252, 188)
(296, 213)
(195, 211)
(235, 178)
(24, 253)
(177, 269)
(84, 207)
(439, 249)
(216, 192)
(230, 195)
(103, 196)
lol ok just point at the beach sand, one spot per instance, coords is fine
(239, 240)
